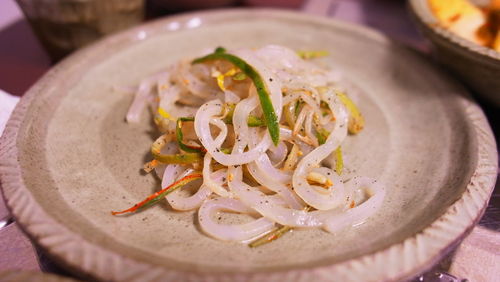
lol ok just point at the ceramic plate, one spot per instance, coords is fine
(68, 159)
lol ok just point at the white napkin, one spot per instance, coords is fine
(7, 105)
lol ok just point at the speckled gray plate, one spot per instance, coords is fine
(68, 158)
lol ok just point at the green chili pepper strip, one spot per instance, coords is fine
(220, 50)
(180, 136)
(252, 121)
(270, 118)
(255, 121)
(322, 134)
(188, 158)
(156, 197)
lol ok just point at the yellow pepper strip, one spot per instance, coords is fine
(298, 106)
(165, 114)
(162, 118)
(221, 76)
(292, 158)
(339, 164)
(356, 120)
(273, 235)
(289, 113)
(312, 54)
(220, 82)
(188, 158)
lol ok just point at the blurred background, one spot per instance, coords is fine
(35, 34)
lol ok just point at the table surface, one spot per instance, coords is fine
(23, 62)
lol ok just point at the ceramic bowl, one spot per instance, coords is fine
(475, 65)
(68, 158)
(63, 26)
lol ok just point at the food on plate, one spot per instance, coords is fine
(496, 44)
(476, 24)
(495, 23)
(256, 132)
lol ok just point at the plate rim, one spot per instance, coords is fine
(407, 258)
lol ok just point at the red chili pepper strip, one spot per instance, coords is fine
(156, 197)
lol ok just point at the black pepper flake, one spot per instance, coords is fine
(270, 79)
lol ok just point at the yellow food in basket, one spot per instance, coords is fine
(479, 25)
